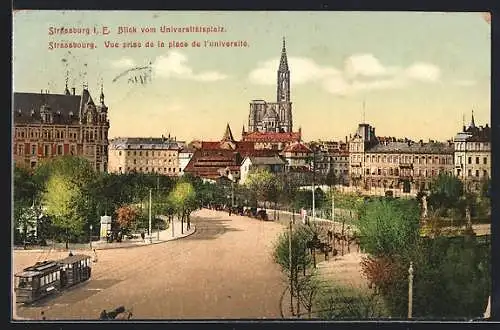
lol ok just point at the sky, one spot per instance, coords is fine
(409, 74)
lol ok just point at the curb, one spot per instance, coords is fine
(130, 245)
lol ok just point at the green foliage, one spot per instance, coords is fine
(300, 258)
(338, 302)
(25, 188)
(183, 198)
(446, 192)
(263, 184)
(452, 279)
(389, 227)
(61, 201)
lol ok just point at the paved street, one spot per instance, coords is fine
(223, 270)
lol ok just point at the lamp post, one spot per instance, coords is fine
(150, 233)
(410, 290)
(90, 236)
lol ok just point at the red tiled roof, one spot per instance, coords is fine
(297, 147)
(271, 136)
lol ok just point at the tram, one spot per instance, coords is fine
(47, 277)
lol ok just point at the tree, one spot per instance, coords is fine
(25, 188)
(262, 183)
(389, 227)
(126, 215)
(60, 201)
(25, 220)
(446, 193)
(183, 199)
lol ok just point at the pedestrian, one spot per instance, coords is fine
(230, 211)
(103, 315)
(95, 256)
(43, 315)
(70, 253)
(143, 236)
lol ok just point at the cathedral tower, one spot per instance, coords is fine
(283, 94)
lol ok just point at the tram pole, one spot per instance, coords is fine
(150, 234)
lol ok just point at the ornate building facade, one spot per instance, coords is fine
(50, 125)
(274, 116)
(473, 154)
(145, 155)
(390, 163)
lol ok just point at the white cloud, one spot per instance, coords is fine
(360, 72)
(123, 63)
(464, 82)
(365, 65)
(304, 70)
(423, 72)
(174, 65)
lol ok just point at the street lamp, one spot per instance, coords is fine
(90, 236)
(410, 290)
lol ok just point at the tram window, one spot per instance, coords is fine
(57, 276)
(25, 282)
(42, 281)
(70, 266)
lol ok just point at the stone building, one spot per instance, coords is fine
(49, 125)
(390, 163)
(145, 155)
(472, 154)
(213, 160)
(271, 140)
(274, 116)
(274, 164)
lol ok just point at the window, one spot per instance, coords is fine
(164, 169)
(73, 150)
(33, 149)
(119, 153)
(59, 150)
(477, 173)
(46, 150)
(469, 173)
(135, 161)
(477, 160)
(379, 171)
(485, 160)
(485, 173)
(120, 169)
(146, 153)
(140, 152)
(469, 161)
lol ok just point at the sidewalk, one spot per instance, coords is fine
(161, 237)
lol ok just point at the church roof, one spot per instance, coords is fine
(272, 136)
(266, 160)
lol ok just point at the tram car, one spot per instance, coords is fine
(47, 277)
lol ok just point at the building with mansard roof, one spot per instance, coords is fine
(145, 155)
(472, 154)
(390, 163)
(49, 125)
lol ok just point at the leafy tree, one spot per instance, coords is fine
(126, 215)
(25, 219)
(60, 200)
(262, 183)
(183, 199)
(25, 188)
(446, 192)
(389, 227)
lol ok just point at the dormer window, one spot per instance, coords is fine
(32, 113)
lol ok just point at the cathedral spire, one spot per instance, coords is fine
(283, 61)
(283, 88)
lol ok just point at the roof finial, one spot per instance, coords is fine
(102, 93)
(85, 83)
(472, 123)
(284, 46)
